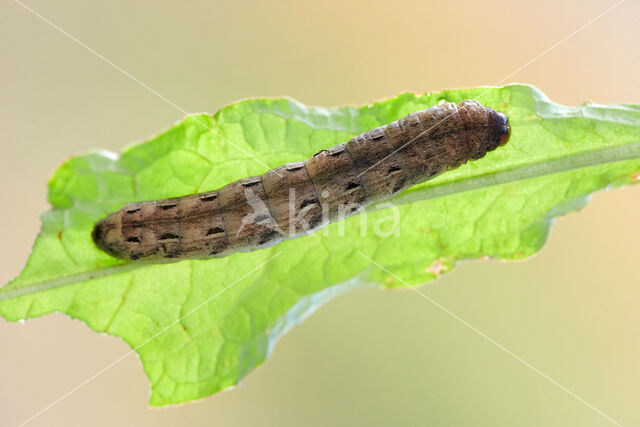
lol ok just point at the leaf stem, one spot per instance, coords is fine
(31, 288)
(518, 173)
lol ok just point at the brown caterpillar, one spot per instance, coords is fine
(298, 198)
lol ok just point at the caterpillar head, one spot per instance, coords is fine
(491, 128)
(499, 129)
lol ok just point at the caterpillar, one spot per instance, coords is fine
(298, 198)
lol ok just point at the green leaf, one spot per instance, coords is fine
(233, 309)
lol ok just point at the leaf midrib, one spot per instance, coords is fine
(521, 172)
(516, 173)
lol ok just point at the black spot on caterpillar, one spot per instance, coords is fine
(215, 230)
(297, 198)
(206, 197)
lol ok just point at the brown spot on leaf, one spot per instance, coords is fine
(436, 267)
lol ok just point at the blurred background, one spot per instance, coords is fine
(371, 357)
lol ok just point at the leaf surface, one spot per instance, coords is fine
(200, 326)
